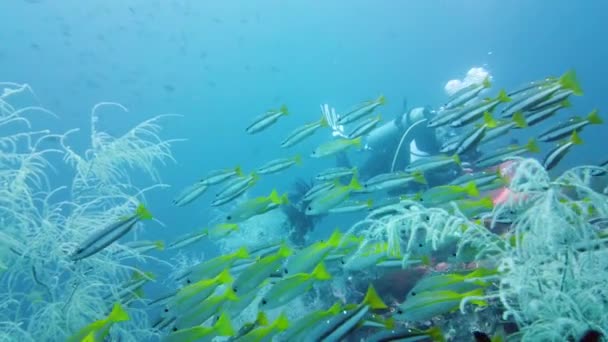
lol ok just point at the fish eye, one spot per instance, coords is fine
(229, 218)
(234, 289)
(419, 245)
(413, 293)
(286, 271)
(399, 311)
(174, 329)
(309, 208)
(264, 302)
(188, 281)
(342, 261)
(454, 254)
(166, 310)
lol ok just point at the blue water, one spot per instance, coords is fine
(220, 63)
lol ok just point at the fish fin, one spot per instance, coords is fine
(456, 159)
(143, 213)
(471, 189)
(532, 146)
(373, 299)
(139, 292)
(594, 118)
(284, 199)
(357, 141)
(435, 334)
(520, 119)
(320, 272)
(274, 197)
(566, 103)
(354, 183)
(335, 239)
(569, 81)
(159, 245)
(297, 159)
(238, 171)
(486, 82)
(255, 177)
(223, 326)
(284, 110)
(503, 97)
(262, 319)
(419, 176)
(118, 314)
(489, 120)
(575, 139)
(224, 277)
(381, 100)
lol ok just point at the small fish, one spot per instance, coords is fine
(426, 305)
(467, 94)
(598, 173)
(187, 240)
(364, 127)
(518, 121)
(265, 333)
(235, 189)
(432, 163)
(140, 247)
(257, 273)
(557, 98)
(302, 325)
(407, 335)
(531, 99)
(333, 197)
(287, 289)
(352, 206)
(558, 153)
(279, 165)
(503, 154)
(202, 311)
(191, 294)
(256, 206)
(212, 267)
(106, 236)
(453, 282)
(362, 110)
(99, 330)
(545, 113)
(574, 124)
(335, 146)
(479, 178)
(190, 194)
(304, 260)
(138, 279)
(266, 120)
(472, 208)
(318, 189)
(303, 132)
(220, 176)
(368, 255)
(335, 328)
(335, 173)
(223, 327)
(444, 117)
(445, 193)
(471, 141)
(469, 115)
(392, 180)
(533, 84)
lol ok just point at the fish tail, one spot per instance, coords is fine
(357, 142)
(373, 299)
(369, 203)
(143, 213)
(159, 245)
(576, 139)
(566, 103)
(594, 118)
(230, 294)
(274, 197)
(238, 171)
(284, 110)
(224, 277)
(281, 323)
(335, 238)
(486, 82)
(118, 314)
(503, 97)
(284, 251)
(532, 146)
(419, 177)
(262, 319)
(354, 183)
(489, 120)
(242, 253)
(520, 119)
(320, 272)
(569, 81)
(381, 100)
(471, 189)
(223, 326)
(297, 159)
(323, 122)
(486, 202)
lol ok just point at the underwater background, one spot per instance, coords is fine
(219, 64)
